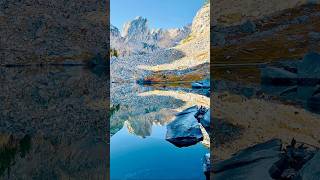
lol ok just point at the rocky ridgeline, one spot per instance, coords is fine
(190, 52)
(138, 38)
(40, 31)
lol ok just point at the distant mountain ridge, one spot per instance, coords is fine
(137, 38)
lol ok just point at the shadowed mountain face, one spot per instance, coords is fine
(40, 31)
(53, 123)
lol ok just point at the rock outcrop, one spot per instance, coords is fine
(185, 129)
(138, 38)
(250, 163)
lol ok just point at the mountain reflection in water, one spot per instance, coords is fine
(138, 146)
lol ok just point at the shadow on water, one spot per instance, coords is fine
(53, 123)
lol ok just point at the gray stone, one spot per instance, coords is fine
(205, 120)
(251, 163)
(274, 75)
(185, 129)
(309, 68)
(311, 170)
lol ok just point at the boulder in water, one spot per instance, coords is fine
(185, 129)
(205, 120)
(274, 75)
(205, 84)
(309, 68)
(311, 169)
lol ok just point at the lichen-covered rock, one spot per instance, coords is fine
(41, 31)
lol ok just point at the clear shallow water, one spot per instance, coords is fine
(139, 149)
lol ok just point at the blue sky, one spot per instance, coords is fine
(160, 13)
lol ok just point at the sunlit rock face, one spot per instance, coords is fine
(41, 31)
(136, 30)
(201, 22)
(137, 38)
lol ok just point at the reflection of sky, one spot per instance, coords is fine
(160, 13)
(153, 157)
(139, 150)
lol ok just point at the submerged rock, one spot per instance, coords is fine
(185, 129)
(250, 163)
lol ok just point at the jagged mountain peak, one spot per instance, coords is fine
(137, 37)
(136, 29)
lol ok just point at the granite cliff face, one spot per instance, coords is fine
(138, 38)
(40, 31)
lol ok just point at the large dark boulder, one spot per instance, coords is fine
(311, 170)
(185, 129)
(251, 163)
(275, 75)
(309, 68)
(205, 120)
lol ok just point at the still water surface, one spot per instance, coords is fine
(138, 147)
